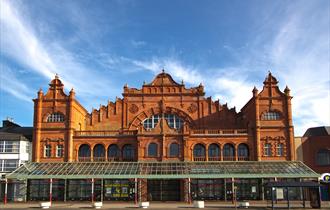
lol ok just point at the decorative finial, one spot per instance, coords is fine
(163, 70)
(287, 91)
(126, 86)
(182, 82)
(56, 76)
(255, 91)
(144, 82)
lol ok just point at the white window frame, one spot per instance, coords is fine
(59, 150)
(47, 148)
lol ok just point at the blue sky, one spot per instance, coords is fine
(98, 46)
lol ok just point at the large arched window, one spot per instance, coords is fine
(55, 117)
(199, 152)
(151, 122)
(243, 152)
(323, 157)
(113, 153)
(228, 152)
(174, 150)
(99, 153)
(152, 150)
(173, 121)
(128, 152)
(271, 115)
(84, 153)
(214, 152)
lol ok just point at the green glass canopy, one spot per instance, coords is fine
(163, 170)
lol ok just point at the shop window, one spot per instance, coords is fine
(152, 150)
(59, 151)
(174, 150)
(270, 116)
(323, 157)
(267, 149)
(55, 117)
(47, 150)
(279, 149)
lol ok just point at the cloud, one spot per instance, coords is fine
(20, 43)
(180, 71)
(12, 85)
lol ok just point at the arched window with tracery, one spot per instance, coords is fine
(99, 153)
(113, 153)
(229, 152)
(243, 152)
(199, 152)
(214, 152)
(174, 150)
(55, 117)
(84, 153)
(152, 150)
(172, 120)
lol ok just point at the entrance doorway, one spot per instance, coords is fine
(164, 190)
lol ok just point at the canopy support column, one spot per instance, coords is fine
(102, 180)
(232, 190)
(50, 190)
(6, 190)
(189, 191)
(135, 191)
(65, 190)
(287, 197)
(92, 190)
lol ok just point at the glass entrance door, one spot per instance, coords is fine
(164, 190)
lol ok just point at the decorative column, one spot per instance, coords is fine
(257, 125)
(37, 126)
(70, 128)
(289, 123)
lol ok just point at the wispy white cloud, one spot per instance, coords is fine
(173, 66)
(12, 85)
(20, 43)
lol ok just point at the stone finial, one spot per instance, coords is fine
(255, 91)
(287, 91)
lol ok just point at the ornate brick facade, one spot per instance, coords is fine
(163, 121)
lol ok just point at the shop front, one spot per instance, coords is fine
(158, 181)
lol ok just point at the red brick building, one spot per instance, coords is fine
(162, 142)
(316, 153)
(162, 121)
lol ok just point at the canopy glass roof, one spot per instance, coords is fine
(168, 170)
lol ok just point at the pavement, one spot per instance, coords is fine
(209, 205)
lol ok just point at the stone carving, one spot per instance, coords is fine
(133, 108)
(192, 108)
